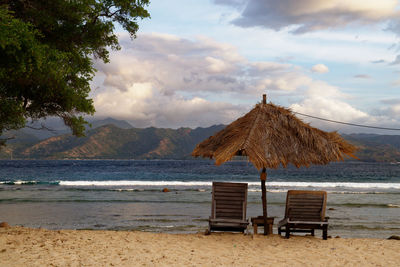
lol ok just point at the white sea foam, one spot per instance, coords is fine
(133, 183)
(18, 182)
(124, 190)
(336, 185)
(268, 189)
(274, 185)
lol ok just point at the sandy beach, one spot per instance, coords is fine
(21, 246)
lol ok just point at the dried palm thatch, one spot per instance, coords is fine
(270, 135)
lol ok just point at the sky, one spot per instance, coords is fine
(199, 63)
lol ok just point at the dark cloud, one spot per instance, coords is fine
(311, 15)
(235, 3)
(396, 61)
(393, 101)
(362, 76)
(378, 61)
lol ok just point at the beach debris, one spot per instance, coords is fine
(4, 225)
(166, 190)
(394, 237)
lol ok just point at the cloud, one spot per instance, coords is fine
(174, 64)
(311, 15)
(392, 101)
(320, 68)
(396, 83)
(144, 106)
(378, 61)
(167, 81)
(362, 76)
(396, 61)
(328, 102)
(387, 115)
(236, 3)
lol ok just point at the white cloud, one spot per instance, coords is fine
(328, 107)
(310, 15)
(174, 64)
(320, 68)
(144, 106)
(328, 102)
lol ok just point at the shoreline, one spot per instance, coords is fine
(20, 246)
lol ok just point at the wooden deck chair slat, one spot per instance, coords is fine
(305, 211)
(228, 208)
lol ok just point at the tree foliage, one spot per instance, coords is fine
(47, 50)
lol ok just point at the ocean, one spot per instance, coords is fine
(363, 198)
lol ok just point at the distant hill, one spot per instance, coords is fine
(57, 127)
(374, 147)
(18, 141)
(119, 123)
(111, 142)
(119, 140)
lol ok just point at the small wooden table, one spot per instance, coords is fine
(259, 221)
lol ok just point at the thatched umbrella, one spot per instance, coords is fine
(271, 136)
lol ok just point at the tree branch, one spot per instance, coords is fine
(42, 127)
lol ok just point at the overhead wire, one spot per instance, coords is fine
(348, 123)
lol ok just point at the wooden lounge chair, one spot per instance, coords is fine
(228, 209)
(305, 212)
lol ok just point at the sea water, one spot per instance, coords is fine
(363, 198)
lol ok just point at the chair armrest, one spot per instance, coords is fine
(283, 222)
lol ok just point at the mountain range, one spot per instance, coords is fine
(116, 139)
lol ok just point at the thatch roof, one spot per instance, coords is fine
(271, 135)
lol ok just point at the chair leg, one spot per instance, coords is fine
(208, 231)
(325, 232)
(279, 231)
(287, 233)
(312, 232)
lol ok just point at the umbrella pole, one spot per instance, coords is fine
(263, 178)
